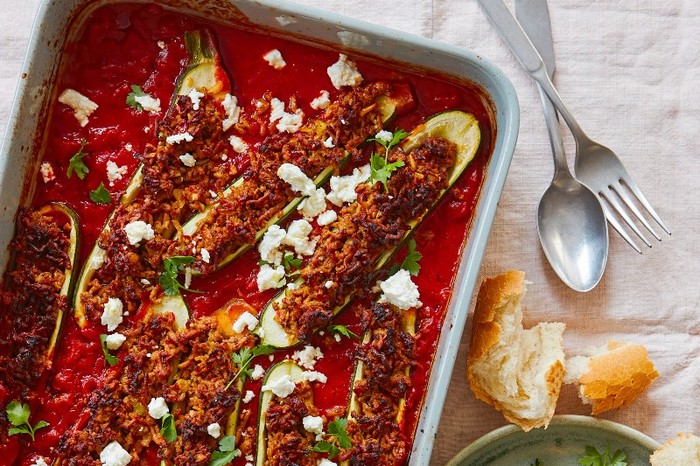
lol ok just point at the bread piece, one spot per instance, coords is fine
(682, 450)
(613, 377)
(517, 371)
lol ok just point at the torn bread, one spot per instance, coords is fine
(682, 450)
(613, 376)
(518, 371)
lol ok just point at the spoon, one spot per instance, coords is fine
(571, 222)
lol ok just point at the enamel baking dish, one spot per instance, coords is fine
(24, 135)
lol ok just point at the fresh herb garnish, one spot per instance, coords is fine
(342, 330)
(100, 195)
(245, 357)
(337, 438)
(171, 268)
(381, 168)
(18, 415)
(136, 91)
(226, 453)
(289, 262)
(109, 359)
(167, 428)
(595, 458)
(410, 262)
(76, 164)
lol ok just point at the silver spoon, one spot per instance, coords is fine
(570, 220)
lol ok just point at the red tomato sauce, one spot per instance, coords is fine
(122, 45)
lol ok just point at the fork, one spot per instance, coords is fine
(596, 166)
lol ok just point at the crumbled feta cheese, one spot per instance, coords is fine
(343, 187)
(298, 237)
(115, 172)
(224, 157)
(81, 105)
(148, 103)
(161, 44)
(214, 429)
(293, 286)
(308, 356)
(257, 373)
(337, 337)
(195, 96)
(313, 424)
(114, 341)
(238, 144)
(233, 111)
(114, 455)
(145, 282)
(384, 136)
(328, 284)
(290, 122)
(329, 142)
(47, 172)
(276, 109)
(400, 291)
(313, 205)
(314, 376)
(97, 258)
(326, 462)
(245, 320)
(137, 231)
(271, 240)
(249, 458)
(274, 59)
(284, 20)
(206, 257)
(128, 146)
(249, 395)
(321, 102)
(296, 178)
(327, 217)
(282, 387)
(188, 160)
(269, 278)
(39, 462)
(178, 138)
(112, 313)
(344, 73)
(157, 408)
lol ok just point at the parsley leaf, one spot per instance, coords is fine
(411, 260)
(109, 359)
(76, 164)
(342, 330)
(290, 262)
(337, 439)
(167, 428)
(18, 415)
(100, 195)
(226, 453)
(136, 91)
(382, 170)
(171, 269)
(593, 457)
(245, 357)
(326, 447)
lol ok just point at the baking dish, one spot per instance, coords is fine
(23, 138)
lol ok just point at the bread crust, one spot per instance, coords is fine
(683, 449)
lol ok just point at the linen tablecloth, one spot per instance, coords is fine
(630, 71)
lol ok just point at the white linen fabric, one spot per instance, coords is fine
(630, 71)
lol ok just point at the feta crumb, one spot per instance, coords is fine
(271, 357)
(308, 356)
(384, 136)
(195, 96)
(157, 408)
(400, 291)
(245, 320)
(276, 109)
(296, 178)
(238, 144)
(148, 103)
(343, 187)
(269, 278)
(137, 231)
(178, 138)
(249, 457)
(214, 430)
(145, 282)
(313, 424)
(81, 105)
(328, 284)
(161, 44)
(258, 372)
(274, 59)
(329, 142)
(271, 240)
(282, 387)
(47, 172)
(327, 217)
(284, 20)
(314, 376)
(39, 462)
(128, 146)
(206, 257)
(293, 286)
(98, 258)
(233, 111)
(337, 337)
(112, 313)
(290, 122)
(298, 237)
(114, 455)
(188, 160)
(322, 101)
(224, 157)
(114, 341)
(313, 205)
(344, 73)
(326, 462)
(115, 172)
(249, 395)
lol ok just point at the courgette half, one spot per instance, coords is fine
(275, 373)
(456, 126)
(204, 72)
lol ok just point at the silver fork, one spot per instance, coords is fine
(596, 166)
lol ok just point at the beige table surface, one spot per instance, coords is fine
(630, 71)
